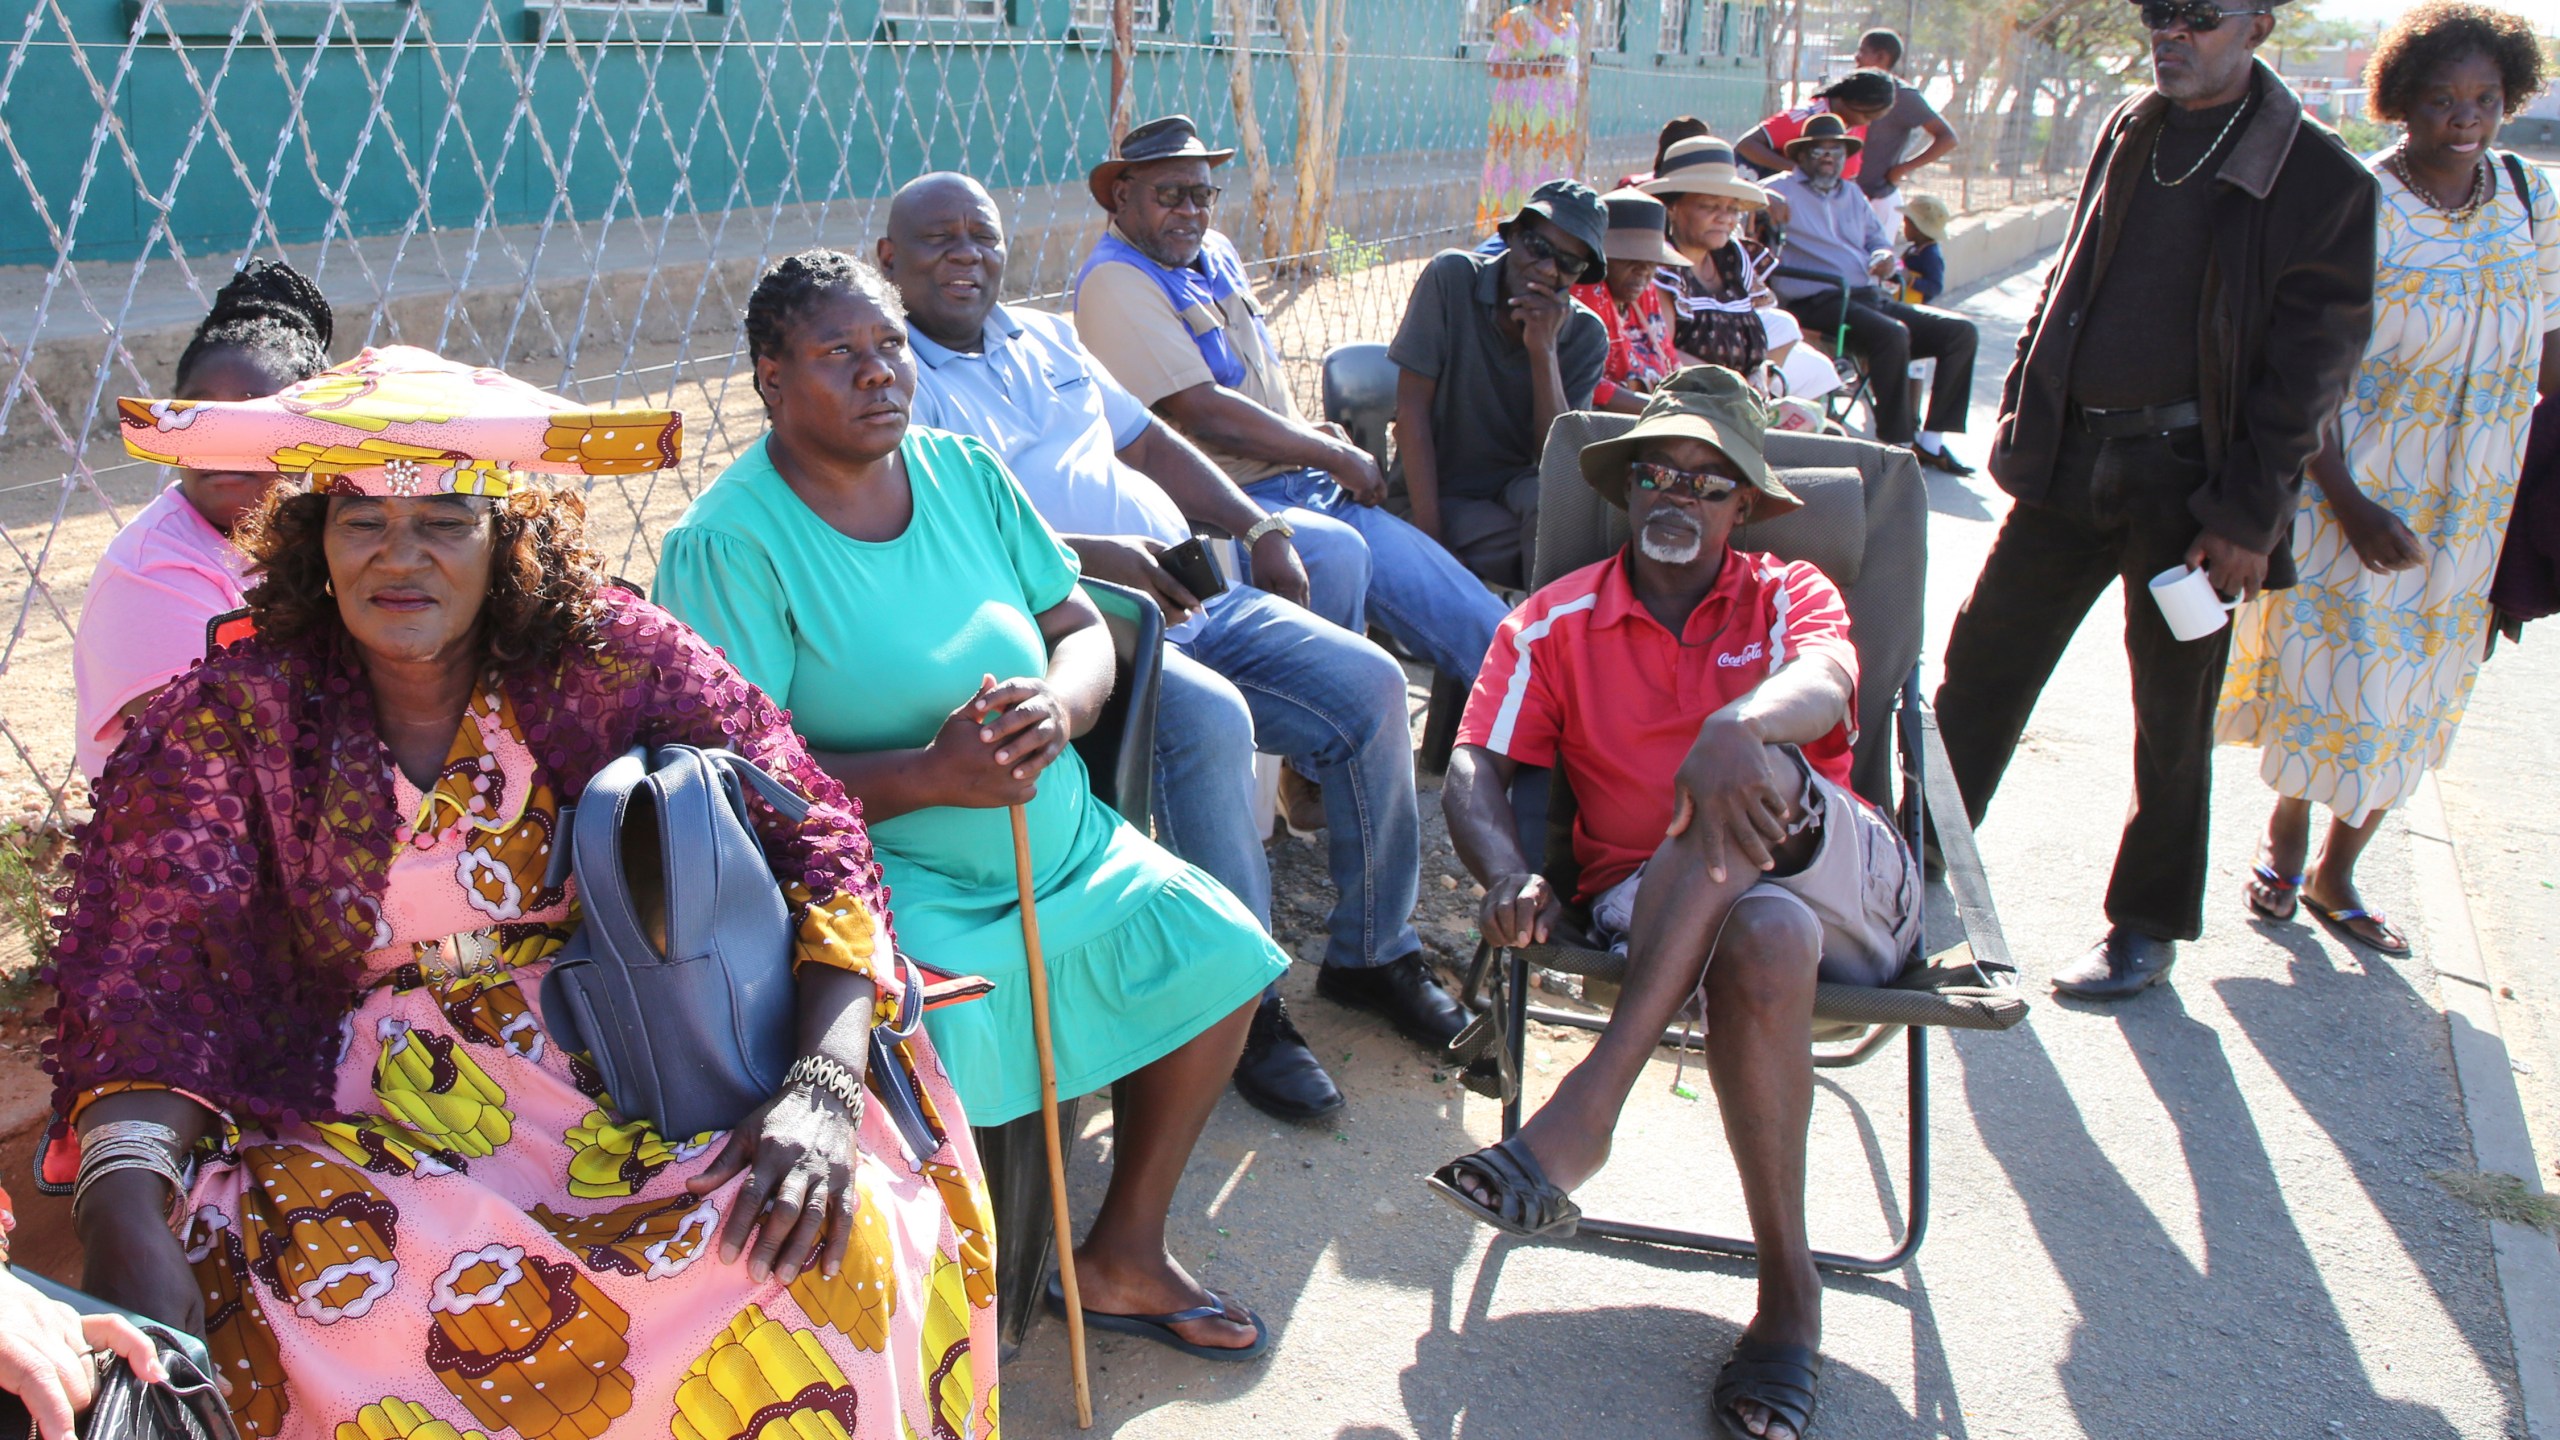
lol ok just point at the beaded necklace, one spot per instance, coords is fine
(2397, 162)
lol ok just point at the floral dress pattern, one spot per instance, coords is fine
(1640, 349)
(1529, 136)
(462, 1242)
(2354, 682)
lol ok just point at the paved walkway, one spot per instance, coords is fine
(2207, 1213)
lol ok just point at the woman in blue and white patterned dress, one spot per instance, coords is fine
(2354, 681)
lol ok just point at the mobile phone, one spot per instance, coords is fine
(1189, 563)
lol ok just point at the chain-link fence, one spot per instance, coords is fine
(584, 192)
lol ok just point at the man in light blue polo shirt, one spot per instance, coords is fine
(1249, 669)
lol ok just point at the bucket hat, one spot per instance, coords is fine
(1574, 208)
(401, 421)
(1928, 215)
(1638, 226)
(1825, 126)
(1703, 166)
(1700, 402)
(1170, 137)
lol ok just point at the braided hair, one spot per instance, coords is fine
(793, 283)
(271, 310)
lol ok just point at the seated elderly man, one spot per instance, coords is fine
(1492, 348)
(1692, 691)
(1832, 229)
(1245, 669)
(1164, 301)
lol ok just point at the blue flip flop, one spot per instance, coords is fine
(1159, 1328)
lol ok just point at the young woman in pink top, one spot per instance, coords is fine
(173, 567)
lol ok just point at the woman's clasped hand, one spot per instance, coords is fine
(991, 751)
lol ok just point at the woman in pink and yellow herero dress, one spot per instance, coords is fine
(304, 926)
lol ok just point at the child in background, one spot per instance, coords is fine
(1924, 267)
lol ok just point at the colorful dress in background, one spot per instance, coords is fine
(441, 1231)
(2352, 681)
(1529, 138)
(1640, 349)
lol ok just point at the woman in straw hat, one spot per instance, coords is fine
(320, 1123)
(1721, 308)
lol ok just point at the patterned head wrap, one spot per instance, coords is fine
(401, 421)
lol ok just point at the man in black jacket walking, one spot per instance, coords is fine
(2198, 331)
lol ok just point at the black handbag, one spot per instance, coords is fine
(188, 1406)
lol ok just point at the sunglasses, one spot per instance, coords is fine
(1198, 197)
(2199, 16)
(1538, 249)
(1705, 486)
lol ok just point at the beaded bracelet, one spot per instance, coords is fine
(820, 1073)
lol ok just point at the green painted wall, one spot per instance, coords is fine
(484, 125)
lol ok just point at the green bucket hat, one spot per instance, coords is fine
(1701, 402)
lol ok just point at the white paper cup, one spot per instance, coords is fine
(2187, 600)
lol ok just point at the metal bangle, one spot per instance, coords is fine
(159, 1165)
(820, 1073)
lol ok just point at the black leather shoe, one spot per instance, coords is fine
(1942, 460)
(1403, 993)
(1277, 1074)
(2119, 967)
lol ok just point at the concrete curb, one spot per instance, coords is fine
(2528, 1262)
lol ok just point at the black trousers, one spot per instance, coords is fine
(1891, 335)
(2119, 512)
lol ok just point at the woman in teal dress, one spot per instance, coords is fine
(883, 583)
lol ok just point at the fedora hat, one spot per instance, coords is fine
(1700, 402)
(1172, 137)
(1638, 229)
(1702, 166)
(1822, 127)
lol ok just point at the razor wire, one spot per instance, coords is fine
(584, 193)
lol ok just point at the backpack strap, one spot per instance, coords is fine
(2524, 188)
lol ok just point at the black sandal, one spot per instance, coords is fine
(1525, 1203)
(1778, 1378)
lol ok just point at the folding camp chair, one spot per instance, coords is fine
(1853, 406)
(1118, 754)
(1864, 522)
(1360, 396)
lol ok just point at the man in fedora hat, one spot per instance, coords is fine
(1833, 230)
(2190, 349)
(1492, 348)
(1629, 300)
(1164, 305)
(1701, 693)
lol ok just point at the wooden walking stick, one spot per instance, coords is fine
(1049, 1117)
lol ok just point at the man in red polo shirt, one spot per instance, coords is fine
(1698, 699)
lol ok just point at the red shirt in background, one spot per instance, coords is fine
(1583, 676)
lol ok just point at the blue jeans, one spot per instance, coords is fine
(1362, 559)
(1260, 673)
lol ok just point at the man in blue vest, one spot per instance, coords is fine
(1245, 669)
(1164, 302)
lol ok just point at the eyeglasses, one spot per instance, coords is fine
(1707, 487)
(1198, 197)
(1538, 249)
(2201, 16)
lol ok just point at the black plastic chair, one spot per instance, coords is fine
(1864, 523)
(1856, 384)
(1118, 754)
(1360, 396)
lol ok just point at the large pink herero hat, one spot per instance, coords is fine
(401, 421)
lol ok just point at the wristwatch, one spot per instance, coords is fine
(1266, 525)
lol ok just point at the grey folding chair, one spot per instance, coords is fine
(1865, 524)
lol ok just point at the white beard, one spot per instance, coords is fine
(1669, 553)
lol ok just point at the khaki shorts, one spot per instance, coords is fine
(1862, 886)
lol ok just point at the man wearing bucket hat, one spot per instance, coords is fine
(1690, 690)
(1164, 304)
(1492, 349)
(1832, 229)
(1629, 300)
